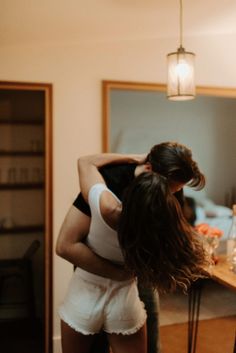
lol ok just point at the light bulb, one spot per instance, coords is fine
(182, 69)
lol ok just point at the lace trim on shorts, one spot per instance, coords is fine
(134, 329)
(73, 326)
(127, 332)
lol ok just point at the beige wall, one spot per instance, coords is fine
(76, 71)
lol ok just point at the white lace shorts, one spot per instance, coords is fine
(94, 303)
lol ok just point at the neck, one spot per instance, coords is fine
(140, 169)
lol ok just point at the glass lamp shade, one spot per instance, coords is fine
(180, 80)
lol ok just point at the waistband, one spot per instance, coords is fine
(91, 277)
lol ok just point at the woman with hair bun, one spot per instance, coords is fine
(146, 233)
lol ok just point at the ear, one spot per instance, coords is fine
(147, 167)
(142, 168)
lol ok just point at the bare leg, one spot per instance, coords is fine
(136, 343)
(100, 343)
(74, 342)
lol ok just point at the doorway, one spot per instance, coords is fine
(25, 217)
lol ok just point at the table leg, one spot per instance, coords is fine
(194, 299)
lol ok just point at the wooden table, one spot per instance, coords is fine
(219, 273)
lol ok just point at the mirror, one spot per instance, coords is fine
(138, 115)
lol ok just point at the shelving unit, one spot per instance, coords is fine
(21, 153)
(22, 183)
(23, 229)
(21, 186)
(26, 197)
(4, 121)
(22, 115)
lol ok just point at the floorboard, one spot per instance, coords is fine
(214, 336)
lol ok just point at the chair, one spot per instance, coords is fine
(17, 286)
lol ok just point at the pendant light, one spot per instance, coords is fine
(180, 75)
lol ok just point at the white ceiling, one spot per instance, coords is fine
(76, 20)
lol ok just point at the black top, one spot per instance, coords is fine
(117, 178)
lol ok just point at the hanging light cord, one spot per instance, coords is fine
(181, 24)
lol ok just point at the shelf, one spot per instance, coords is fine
(22, 122)
(21, 186)
(21, 153)
(22, 229)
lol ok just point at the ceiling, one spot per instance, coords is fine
(23, 21)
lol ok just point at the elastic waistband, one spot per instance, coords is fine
(91, 277)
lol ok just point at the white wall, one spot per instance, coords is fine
(76, 71)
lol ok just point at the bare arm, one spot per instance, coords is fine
(75, 227)
(88, 167)
(70, 246)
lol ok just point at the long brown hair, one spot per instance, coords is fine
(158, 244)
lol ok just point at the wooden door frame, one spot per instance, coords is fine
(48, 238)
(109, 85)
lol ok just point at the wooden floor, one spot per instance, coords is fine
(214, 336)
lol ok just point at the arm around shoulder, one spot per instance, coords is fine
(70, 246)
(74, 229)
(88, 167)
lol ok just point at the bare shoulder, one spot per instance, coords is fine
(107, 202)
(110, 208)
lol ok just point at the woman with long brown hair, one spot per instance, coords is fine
(156, 242)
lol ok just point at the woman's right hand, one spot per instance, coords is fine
(121, 273)
(141, 158)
